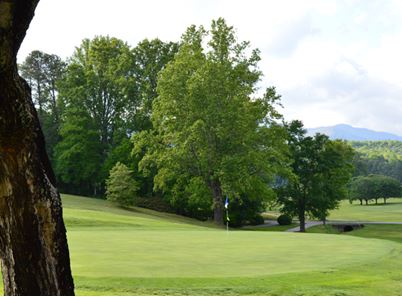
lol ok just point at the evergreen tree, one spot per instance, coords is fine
(121, 187)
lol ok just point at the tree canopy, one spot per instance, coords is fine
(43, 71)
(374, 187)
(321, 169)
(104, 97)
(210, 137)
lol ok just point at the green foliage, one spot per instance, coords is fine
(78, 156)
(284, 219)
(374, 187)
(321, 169)
(98, 85)
(121, 188)
(43, 71)
(99, 78)
(155, 203)
(113, 86)
(388, 149)
(210, 137)
(246, 211)
(378, 157)
(150, 57)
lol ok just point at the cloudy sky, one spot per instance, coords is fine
(332, 61)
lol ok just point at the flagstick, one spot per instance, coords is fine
(227, 221)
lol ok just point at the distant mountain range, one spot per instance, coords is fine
(346, 132)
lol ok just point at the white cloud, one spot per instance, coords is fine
(333, 61)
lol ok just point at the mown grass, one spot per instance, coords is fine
(388, 232)
(139, 252)
(390, 212)
(276, 228)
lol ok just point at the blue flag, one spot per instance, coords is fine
(227, 202)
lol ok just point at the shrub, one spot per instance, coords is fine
(257, 220)
(155, 203)
(284, 220)
(121, 187)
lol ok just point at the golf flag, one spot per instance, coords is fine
(227, 202)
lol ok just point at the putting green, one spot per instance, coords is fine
(124, 253)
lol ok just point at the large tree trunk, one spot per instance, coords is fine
(33, 245)
(302, 217)
(217, 202)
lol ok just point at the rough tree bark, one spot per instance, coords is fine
(33, 245)
(302, 216)
(217, 202)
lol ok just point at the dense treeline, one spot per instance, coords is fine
(388, 149)
(104, 95)
(374, 187)
(379, 158)
(177, 126)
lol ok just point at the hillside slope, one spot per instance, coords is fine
(389, 150)
(82, 212)
(347, 132)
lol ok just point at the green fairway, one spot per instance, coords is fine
(388, 232)
(275, 228)
(117, 252)
(142, 252)
(390, 212)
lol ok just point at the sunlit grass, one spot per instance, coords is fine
(116, 251)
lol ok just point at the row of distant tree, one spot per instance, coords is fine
(378, 171)
(378, 157)
(180, 122)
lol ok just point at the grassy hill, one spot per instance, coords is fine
(142, 252)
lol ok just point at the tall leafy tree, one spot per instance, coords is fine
(79, 156)
(210, 137)
(150, 57)
(99, 83)
(42, 71)
(374, 187)
(100, 78)
(321, 169)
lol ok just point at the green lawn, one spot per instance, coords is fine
(390, 212)
(141, 252)
(276, 228)
(388, 232)
(120, 252)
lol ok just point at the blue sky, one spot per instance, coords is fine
(332, 61)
